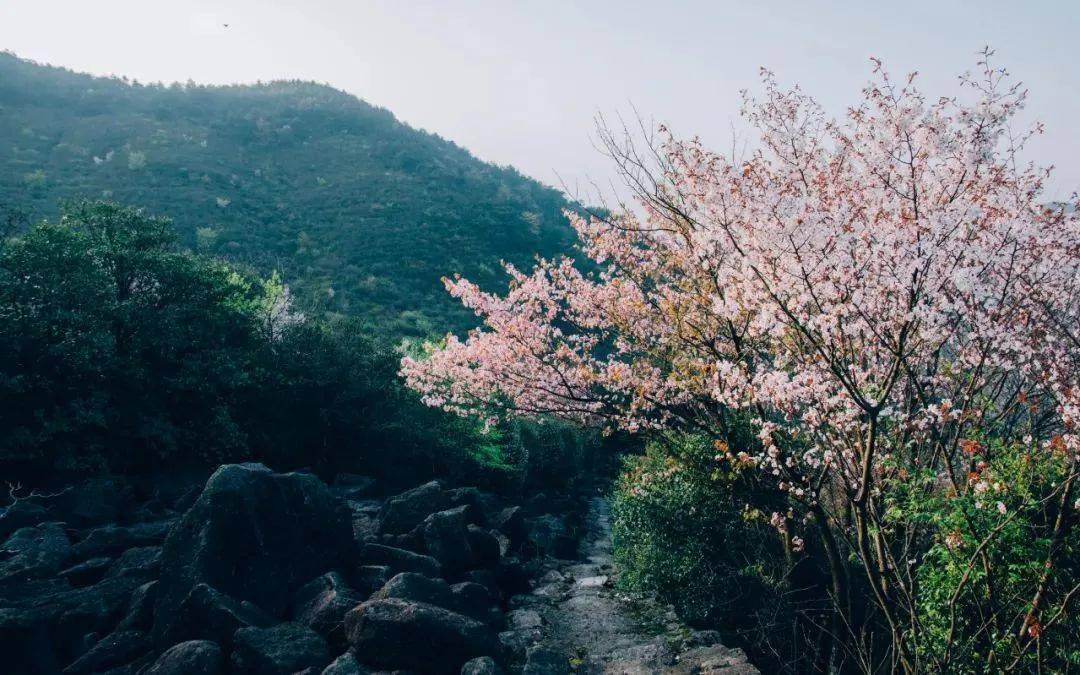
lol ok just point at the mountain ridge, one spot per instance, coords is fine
(362, 213)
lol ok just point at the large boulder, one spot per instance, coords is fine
(256, 536)
(322, 603)
(446, 538)
(466, 598)
(34, 553)
(208, 614)
(116, 649)
(417, 588)
(194, 657)
(280, 650)
(400, 560)
(407, 510)
(475, 600)
(395, 633)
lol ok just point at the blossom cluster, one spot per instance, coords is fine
(862, 288)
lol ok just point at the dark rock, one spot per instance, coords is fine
(485, 578)
(353, 486)
(545, 661)
(503, 542)
(471, 497)
(144, 562)
(524, 619)
(322, 603)
(467, 598)
(254, 535)
(412, 541)
(194, 657)
(367, 579)
(87, 573)
(34, 553)
(39, 633)
(512, 576)
(484, 545)
(549, 535)
(400, 560)
(515, 643)
(446, 539)
(112, 539)
(345, 664)
(472, 599)
(407, 510)
(418, 588)
(115, 649)
(396, 633)
(365, 525)
(483, 665)
(511, 522)
(140, 610)
(279, 650)
(208, 614)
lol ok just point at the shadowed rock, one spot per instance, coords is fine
(396, 633)
(256, 536)
(280, 650)
(194, 657)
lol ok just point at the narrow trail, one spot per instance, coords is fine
(584, 625)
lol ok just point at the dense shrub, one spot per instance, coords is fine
(682, 528)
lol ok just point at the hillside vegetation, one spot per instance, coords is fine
(361, 213)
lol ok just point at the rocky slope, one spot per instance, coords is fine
(259, 572)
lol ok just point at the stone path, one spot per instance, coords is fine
(577, 622)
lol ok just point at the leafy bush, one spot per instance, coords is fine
(682, 528)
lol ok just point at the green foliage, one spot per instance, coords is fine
(123, 351)
(118, 347)
(981, 570)
(362, 214)
(681, 528)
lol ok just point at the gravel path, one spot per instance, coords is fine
(579, 623)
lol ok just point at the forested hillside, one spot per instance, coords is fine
(361, 213)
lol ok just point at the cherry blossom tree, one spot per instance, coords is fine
(885, 299)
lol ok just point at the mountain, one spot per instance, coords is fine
(361, 213)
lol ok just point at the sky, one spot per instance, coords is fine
(521, 83)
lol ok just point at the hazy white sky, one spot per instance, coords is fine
(520, 82)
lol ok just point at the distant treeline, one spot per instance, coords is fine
(125, 352)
